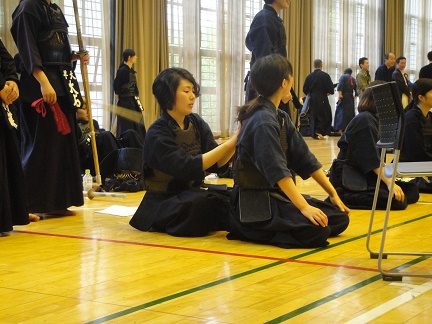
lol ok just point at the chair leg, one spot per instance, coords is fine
(374, 254)
(394, 275)
(387, 276)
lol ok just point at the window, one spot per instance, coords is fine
(6, 10)
(346, 30)
(94, 21)
(207, 38)
(252, 8)
(418, 31)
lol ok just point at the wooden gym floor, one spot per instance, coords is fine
(95, 268)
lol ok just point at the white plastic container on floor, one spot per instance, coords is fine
(87, 180)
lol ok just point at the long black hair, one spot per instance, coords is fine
(266, 76)
(420, 87)
(166, 83)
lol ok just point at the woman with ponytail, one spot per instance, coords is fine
(266, 206)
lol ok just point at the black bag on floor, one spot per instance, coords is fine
(124, 169)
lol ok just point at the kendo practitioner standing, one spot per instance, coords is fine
(13, 203)
(126, 90)
(48, 103)
(319, 86)
(267, 36)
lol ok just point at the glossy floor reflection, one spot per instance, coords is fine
(95, 268)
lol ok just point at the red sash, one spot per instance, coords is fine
(59, 117)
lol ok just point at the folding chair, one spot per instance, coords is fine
(392, 123)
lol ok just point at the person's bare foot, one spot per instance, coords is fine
(33, 217)
(62, 212)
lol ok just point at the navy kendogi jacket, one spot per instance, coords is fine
(43, 41)
(417, 143)
(266, 35)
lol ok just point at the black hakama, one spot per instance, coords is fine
(13, 200)
(182, 210)
(49, 158)
(287, 227)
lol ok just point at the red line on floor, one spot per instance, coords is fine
(200, 250)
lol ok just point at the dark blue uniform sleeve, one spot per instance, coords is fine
(299, 157)
(121, 78)
(261, 37)
(422, 73)
(328, 83)
(307, 84)
(208, 142)
(7, 67)
(341, 84)
(362, 139)
(264, 149)
(161, 152)
(260, 141)
(27, 21)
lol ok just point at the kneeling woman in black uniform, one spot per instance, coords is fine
(179, 148)
(266, 205)
(359, 153)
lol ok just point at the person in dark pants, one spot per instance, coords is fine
(49, 98)
(127, 95)
(179, 150)
(358, 150)
(345, 109)
(266, 206)
(13, 203)
(319, 86)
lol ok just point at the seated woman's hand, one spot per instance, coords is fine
(398, 193)
(335, 200)
(315, 215)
